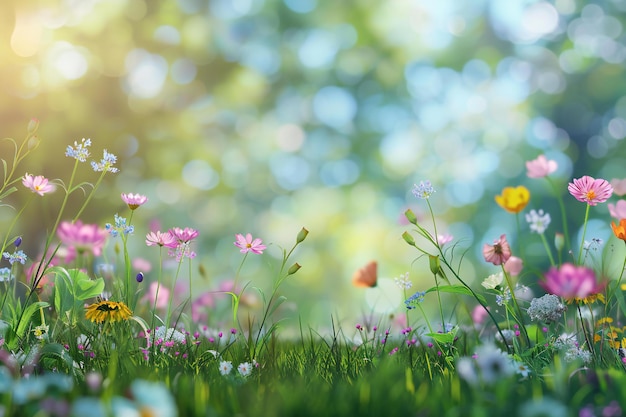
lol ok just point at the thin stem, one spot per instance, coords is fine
(563, 213)
(548, 250)
(582, 240)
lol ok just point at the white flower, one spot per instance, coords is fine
(225, 367)
(538, 221)
(493, 363)
(40, 331)
(244, 369)
(493, 281)
(403, 282)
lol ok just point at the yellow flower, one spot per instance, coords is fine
(108, 310)
(512, 199)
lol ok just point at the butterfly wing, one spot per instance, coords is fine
(366, 276)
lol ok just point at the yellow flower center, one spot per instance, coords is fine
(590, 195)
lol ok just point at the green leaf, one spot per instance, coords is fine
(445, 338)
(28, 312)
(7, 192)
(85, 287)
(457, 289)
(277, 304)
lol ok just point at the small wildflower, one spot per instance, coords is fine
(247, 244)
(444, 239)
(184, 235)
(493, 281)
(134, 200)
(590, 190)
(618, 210)
(538, 221)
(79, 151)
(424, 190)
(493, 364)
(225, 367)
(17, 242)
(414, 300)
(620, 230)
(244, 369)
(139, 277)
(5, 275)
(161, 239)
(120, 226)
(40, 331)
(107, 310)
(540, 167)
(571, 281)
(547, 308)
(521, 369)
(38, 184)
(403, 282)
(106, 163)
(513, 199)
(499, 252)
(17, 256)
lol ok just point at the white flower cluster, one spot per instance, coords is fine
(548, 308)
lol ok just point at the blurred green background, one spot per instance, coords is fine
(264, 116)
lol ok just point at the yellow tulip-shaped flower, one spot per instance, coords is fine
(513, 199)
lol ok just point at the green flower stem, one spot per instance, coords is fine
(518, 311)
(548, 250)
(169, 304)
(619, 280)
(8, 230)
(582, 240)
(559, 197)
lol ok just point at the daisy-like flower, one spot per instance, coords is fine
(184, 235)
(538, 221)
(106, 163)
(618, 211)
(513, 199)
(225, 367)
(590, 190)
(424, 190)
(540, 167)
(247, 244)
(244, 369)
(499, 252)
(134, 200)
(620, 230)
(105, 310)
(161, 239)
(17, 256)
(571, 282)
(5, 275)
(79, 151)
(38, 184)
(40, 331)
(403, 282)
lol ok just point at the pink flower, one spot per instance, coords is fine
(590, 190)
(443, 239)
(619, 186)
(246, 244)
(540, 167)
(499, 252)
(161, 239)
(38, 184)
(618, 211)
(479, 314)
(80, 238)
(162, 298)
(134, 200)
(141, 264)
(571, 281)
(184, 235)
(513, 266)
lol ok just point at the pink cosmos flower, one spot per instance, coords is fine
(619, 186)
(184, 235)
(80, 238)
(571, 281)
(443, 239)
(246, 244)
(513, 266)
(540, 167)
(161, 239)
(590, 190)
(499, 252)
(38, 184)
(134, 200)
(618, 211)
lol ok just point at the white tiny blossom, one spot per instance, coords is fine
(493, 281)
(538, 221)
(403, 282)
(225, 367)
(244, 369)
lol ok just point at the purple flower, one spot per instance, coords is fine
(571, 281)
(247, 244)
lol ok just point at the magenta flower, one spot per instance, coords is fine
(38, 184)
(246, 244)
(499, 252)
(81, 238)
(161, 239)
(134, 200)
(571, 281)
(540, 167)
(590, 190)
(184, 235)
(618, 211)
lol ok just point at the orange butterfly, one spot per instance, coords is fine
(366, 276)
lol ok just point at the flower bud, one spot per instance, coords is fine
(408, 238)
(139, 277)
(18, 241)
(410, 216)
(33, 143)
(435, 266)
(302, 235)
(559, 241)
(513, 266)
(294, 268)
(33, 125)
